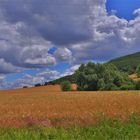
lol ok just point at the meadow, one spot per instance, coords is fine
(105, 130)
(47, 113)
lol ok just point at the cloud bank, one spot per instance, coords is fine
(80, 30)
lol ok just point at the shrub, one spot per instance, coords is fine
(127, 87)
(66, 86)
(138, 85)
(25, 86)
(138, 71)
(38, 85)
(46, 83)
(101, 84)
(111, 86)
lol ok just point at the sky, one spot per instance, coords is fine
(42, 40)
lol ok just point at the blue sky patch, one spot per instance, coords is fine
(124, 8)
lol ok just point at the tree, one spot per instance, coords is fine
(138, 85)
(101, 84)
(92, 77)
(25, 86)
(38, 85)
(138, 71)
(66, 86)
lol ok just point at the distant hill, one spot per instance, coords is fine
(70, 78)
(127, 63)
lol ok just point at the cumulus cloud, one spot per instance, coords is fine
(70, 71)
(6, 67)
(30, 28)
(2, 81)
(41, 77)
(21, 50)
(80, 30)
(2, 77)
(30, 81)
(63, 54)
(137, 11)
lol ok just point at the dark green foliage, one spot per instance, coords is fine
(66, 86)
(138, 71)
(128, 87)
(138, 85)
(25, 87)
(92, 77)
(101, 84)
(127, 63)
(38, 85)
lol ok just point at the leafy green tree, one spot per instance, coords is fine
(138, 85)
(66, 86)
(38, 85)
(111, 86)
(25, 86)
(92, 77)
(101, 84)
(138, 71)
(128, 87)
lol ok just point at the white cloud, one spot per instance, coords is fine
(63, 54)
(70, 71)
(30, 29)
(81, 30)
(2, 77)
(6, 67)
(30, 81)
(137, 11)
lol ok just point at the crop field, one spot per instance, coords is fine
(39, 107)
(134, 77)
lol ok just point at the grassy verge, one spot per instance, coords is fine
(106, 130)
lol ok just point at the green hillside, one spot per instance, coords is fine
(127, 63)
(70, 78)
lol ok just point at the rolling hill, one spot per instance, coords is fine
(127, 63)
(70, 78)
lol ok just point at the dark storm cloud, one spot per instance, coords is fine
(58, 21)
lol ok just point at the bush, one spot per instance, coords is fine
(138, 85)
(93, 77)
(110, 87)
(25, 86)
(127, 87)
(138, 71)
(38, 85)
(66, 86)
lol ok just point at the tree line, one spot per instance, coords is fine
(100, 77)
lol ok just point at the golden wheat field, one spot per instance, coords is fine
(48, 106)
(134, 77)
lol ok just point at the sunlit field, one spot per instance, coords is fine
(134, 77)
(31, 107)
